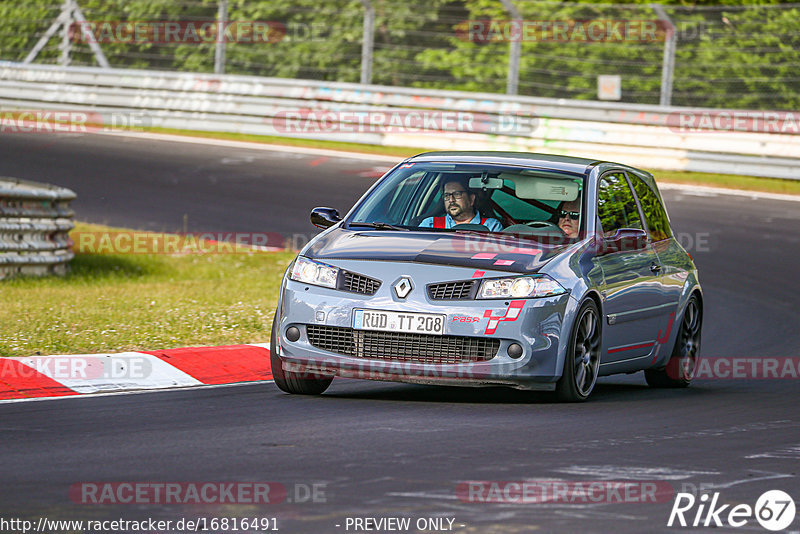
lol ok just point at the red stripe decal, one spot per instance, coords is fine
(220, 365)
(664, 339)
(631, 347)
(18, 381)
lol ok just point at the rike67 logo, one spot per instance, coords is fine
(774, 510)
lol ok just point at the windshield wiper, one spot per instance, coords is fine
(378, 226)
(470, 232)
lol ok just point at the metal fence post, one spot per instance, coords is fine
(66, 44)
(222, 22)
(367, 42)
(69, 11)
(99, 56)
(515, 49)
(668, 63)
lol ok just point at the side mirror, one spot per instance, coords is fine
(325, 217)
(625, 240)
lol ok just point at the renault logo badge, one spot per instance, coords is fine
(403, 287)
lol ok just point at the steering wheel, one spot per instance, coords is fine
(544, 225)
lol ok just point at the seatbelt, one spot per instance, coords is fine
(439, 222)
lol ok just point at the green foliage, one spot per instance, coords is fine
(730, 53)
(22, 23)
(741, 59)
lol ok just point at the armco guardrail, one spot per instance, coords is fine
(653, 137)
(35, 220)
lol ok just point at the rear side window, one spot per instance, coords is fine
(654, 213)
(616, 205)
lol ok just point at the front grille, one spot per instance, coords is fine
(452, 290)
(400, 346)
(358, 283)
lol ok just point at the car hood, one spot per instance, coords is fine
(491, 252)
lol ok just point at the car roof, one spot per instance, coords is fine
(522, 159)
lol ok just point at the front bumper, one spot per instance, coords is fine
(536, 327)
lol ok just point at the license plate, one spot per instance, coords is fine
(390, 321)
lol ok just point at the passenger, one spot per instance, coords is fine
(569, 217)
(459, 206)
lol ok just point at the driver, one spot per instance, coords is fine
(459, 205)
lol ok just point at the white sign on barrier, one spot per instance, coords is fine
(609, 87)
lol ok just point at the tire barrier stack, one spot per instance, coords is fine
(35, 220)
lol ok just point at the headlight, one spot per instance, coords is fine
(520, 287)
(313, 272)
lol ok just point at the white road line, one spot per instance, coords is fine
(788, 453)
(136, 392)
(697, 189)
(613, 472)
(747, 480)
(255, 146)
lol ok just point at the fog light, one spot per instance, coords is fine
(514, 350)
(293, 334)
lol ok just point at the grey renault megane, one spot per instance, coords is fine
(532, 271)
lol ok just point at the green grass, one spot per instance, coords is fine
(119, 302)
(730, 181)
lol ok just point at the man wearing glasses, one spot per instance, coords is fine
(459, 206)
(569, 218)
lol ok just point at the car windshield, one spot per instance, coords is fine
(475, 197)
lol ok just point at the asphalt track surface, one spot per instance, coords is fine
(394, 450)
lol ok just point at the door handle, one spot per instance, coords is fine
(655, 268)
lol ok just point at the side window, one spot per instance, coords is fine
(393, 204)
(654, 213)
(616, 205)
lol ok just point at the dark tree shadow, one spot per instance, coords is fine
(92, 266)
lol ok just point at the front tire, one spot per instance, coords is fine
(681, 365)
(288, 381)
(582, 361)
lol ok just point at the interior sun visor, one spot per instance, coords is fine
(546, 188)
